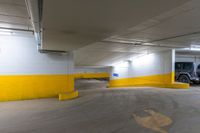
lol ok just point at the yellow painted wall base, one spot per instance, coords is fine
(160, 80)
(177, 85)
(67, 96)
(21, 87)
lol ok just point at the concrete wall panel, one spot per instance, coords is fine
(145, 65)
(156, 69)
(27, 74)
(19, 55)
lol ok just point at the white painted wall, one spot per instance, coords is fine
(19, 55)
(145, 65)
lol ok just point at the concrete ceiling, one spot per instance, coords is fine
(176, 28)
(14, 15)
(105, 54)
(102, 32)
(71, 24)
(188, 53)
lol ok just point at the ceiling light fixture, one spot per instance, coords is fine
(195, 47)
(6, 33)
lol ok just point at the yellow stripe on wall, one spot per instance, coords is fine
(160, 80)
(21, 87)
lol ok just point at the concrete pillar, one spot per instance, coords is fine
(26, 73)
(173, 66)
(70, 62)
(69, 92)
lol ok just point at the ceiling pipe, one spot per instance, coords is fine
(153, 41)
(34, 8)
(142, 44)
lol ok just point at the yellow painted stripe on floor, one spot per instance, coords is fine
(159, 80)
(20, 87)
(91, 75)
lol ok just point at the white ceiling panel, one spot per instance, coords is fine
(102, 53)
(13, 2)
(14, 20)
(99, 58)
(14, 14)
(83, 26)
(95, 19)
(179, 21)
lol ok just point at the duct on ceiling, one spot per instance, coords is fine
(34, 8)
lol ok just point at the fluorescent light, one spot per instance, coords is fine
(195, 48)
(6, 33)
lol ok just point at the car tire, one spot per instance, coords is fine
(184, 79)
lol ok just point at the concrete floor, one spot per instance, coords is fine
(138, 110)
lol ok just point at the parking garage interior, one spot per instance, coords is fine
(99, 66)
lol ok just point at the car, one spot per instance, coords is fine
(187, 72)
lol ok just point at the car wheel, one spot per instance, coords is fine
(184, 79)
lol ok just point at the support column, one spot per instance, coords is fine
(173, 66)
(69, 92)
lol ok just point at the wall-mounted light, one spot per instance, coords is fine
(195, 48)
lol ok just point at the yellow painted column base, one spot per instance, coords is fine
(177, 85)
(68, 95)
